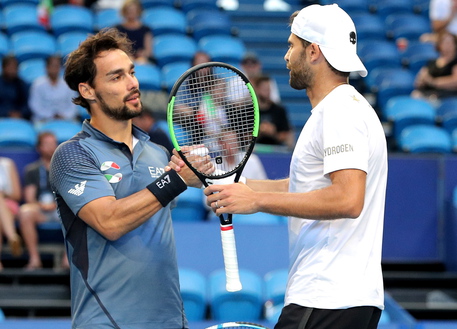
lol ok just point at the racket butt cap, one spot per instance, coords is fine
(234, 286)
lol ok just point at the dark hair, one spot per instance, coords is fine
(80, 66)
(7, 59)
(43, 135)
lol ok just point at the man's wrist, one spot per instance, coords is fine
(167, 187)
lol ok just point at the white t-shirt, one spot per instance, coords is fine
(336, 264)
(440, 10)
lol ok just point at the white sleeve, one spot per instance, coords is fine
(345, 139)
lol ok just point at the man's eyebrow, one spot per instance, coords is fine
(119, 71)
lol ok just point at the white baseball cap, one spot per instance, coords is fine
(333, 30)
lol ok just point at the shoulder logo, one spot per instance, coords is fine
(79, 189)
(109, 164)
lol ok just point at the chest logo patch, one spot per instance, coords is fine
(116, 178)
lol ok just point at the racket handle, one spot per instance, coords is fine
(230, 258)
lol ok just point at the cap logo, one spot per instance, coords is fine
(352, 37)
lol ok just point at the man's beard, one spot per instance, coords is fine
(302, 78)
(122, 113)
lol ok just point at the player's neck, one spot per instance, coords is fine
(120, 131)
(323, 87)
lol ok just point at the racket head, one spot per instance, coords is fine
(237, 325)
(213, 111)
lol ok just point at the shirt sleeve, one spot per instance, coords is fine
(345, 138)
(76, 177)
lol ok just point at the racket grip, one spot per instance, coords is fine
(230, 258)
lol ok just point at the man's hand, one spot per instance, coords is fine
(202, 164)
(231, 199)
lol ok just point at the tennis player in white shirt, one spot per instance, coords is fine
(335, 195)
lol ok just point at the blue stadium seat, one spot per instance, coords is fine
(106, 18)
(165, 19)
(407, 25)
(149, 76)
(243, 305)
(62, 129)
(376, 76)
(21, 17)
(298, 113)
(5, 45)
(395, 82)
(404, 111)
(369, 26)
(425, 139)
(69, 18)
(171, 72)
(33, 44)
(69, 41)
(446, 106)
(188, 5)
(194, 293)
(223, 48)
(379, 53)
(7, 3)
(384, 8)
(275, 290)
(203, 22)
(17, 133)
(146, 4)
(169, 48)
(350, 6)
(189, 207)
(417, 54)
(31, 69)
(446, 114)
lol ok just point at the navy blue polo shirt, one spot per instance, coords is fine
(131, 282)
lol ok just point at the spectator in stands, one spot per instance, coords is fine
(274, 124)
(252, 67)
(39, 204)
(10, 196)
(335, 196)
(140, 34)
(13, 91)
(146, 121)
(438, 79)
(50, 98)
(443, 16)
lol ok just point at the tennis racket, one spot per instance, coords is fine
(237, 325)
(213, 118)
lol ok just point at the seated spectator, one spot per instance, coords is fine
(438, 79)
(13, 91)
(39, 205)
(274, 125)
(148, 123)
(136, 31)
(443, 17)
(50, 97)
(252, 67)
(10, 196)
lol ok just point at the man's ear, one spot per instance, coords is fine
(86, 91)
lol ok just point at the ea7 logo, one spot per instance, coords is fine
(164, 181)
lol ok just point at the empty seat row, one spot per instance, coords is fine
(207, 296)
(199, 21)
(21, 133)
(31, 45)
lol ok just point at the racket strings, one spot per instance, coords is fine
(213, 107)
